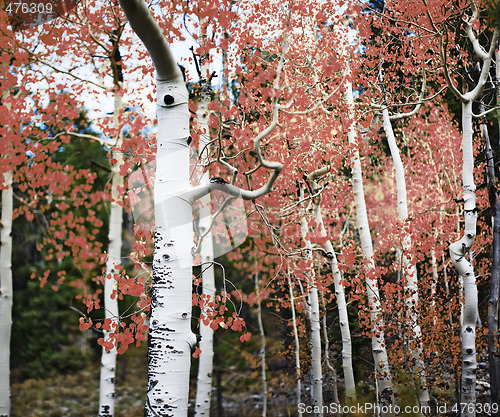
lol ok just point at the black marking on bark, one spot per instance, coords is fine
(152, 383)
(168, 99)
(104, 412)
(473, 211)
(217, 180)
(468, 329)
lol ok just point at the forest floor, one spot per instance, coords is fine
(77, 394)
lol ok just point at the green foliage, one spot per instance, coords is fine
(493, 12)
(45, 334)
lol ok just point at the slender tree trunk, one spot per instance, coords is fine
(350, 385)
(410, 277)
(262, 347)
(493, 339)
(435, 278)
(108, 358)
(382, 369)
(297, 345)
(205, 367)
(5, 293)
(316, 371)
(328, 364)
(497, 87)
(314, 318)
(458, 251)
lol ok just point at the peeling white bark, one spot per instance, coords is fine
(410, 277)
(108, 358)
(382, 369)
(5, 293)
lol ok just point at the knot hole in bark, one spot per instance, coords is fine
(168, 99)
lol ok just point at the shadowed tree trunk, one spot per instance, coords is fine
(493, 350)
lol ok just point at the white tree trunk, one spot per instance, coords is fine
(108, 358)
(5, 293)
(350, 385)
(263, 347)
(410, 277)
(458, 251)
(435, 278)
(205, 367)
(382, 369)
(297, 345)
(314, 318)
(170, 337)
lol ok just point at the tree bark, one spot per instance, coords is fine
(382, 370)
(5, 293)
(458, 251)
(108, 358)
(205, 367)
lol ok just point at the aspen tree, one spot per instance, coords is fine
(170, 336)
(459, 249)
(410, 276)
(350, 386)
(382, 370)
(205, 367)
(5, 292)
(314, 318)
(108, 356)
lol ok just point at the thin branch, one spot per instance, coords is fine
(484, 113)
